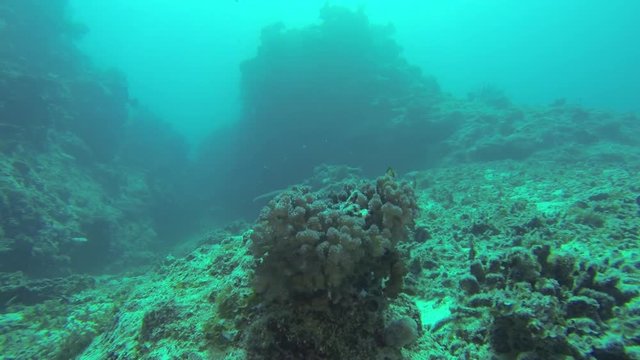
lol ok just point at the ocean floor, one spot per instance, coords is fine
(510, 260)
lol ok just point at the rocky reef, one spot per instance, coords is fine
(327, 93)
(334, 248)
(341, 92)
(544, 305)
(521, 244)
(74, 196)
(329, 263)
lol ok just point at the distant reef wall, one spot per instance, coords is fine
(327, 93)
(88, 182)
(340, 92)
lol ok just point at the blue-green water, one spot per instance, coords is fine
(299, 180)
(182, 59)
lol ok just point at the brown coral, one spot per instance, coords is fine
(336, 247)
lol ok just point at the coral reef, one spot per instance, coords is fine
(335, 247)
(545, 305)
(340, 92)
(329, 256)
(530, 259)
(506, 266)
(38, 37)
(400, 332)
(525, 277)
(334, 90)
(74, 194)
(18, 289)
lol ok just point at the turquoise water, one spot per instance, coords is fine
(249, 180)
(183, 59)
